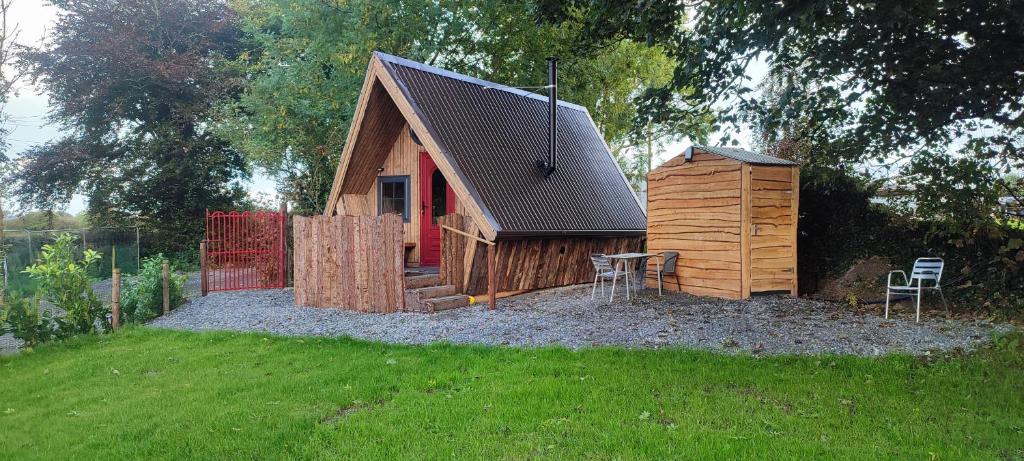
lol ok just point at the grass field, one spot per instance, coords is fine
(145, 394)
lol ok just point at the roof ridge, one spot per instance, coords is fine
(392, 59)
(741, 154)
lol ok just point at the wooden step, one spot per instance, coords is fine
(421, 281)
(446, 302)
(433, 292)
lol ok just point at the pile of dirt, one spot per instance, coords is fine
(864, 282)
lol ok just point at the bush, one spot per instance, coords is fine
(64, 282)
(143, 298)
(840, 225)
(23, 318)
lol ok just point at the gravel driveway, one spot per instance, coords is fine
(568, 317)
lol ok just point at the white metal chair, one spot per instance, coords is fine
(924, 269)
(603, 271)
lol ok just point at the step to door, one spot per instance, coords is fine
(446, 302)
(433, 292)
(421, 281)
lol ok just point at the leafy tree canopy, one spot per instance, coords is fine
(133, 82)
(308, 59)
(908, 72)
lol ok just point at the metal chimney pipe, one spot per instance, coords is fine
(552, 114)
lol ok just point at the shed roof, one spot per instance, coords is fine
(493, 135)
(741, 155)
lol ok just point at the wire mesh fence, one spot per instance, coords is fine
(25, 246)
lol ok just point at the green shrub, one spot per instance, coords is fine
(64, 281)
(144, 296)
(23, 318)
(839, 224)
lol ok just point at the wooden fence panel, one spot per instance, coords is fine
(350, 262)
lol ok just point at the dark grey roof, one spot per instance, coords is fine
(741, 155)
(493, 137)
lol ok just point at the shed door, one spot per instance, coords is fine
(437, 199)
(773, 216)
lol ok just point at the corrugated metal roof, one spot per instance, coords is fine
(744, 156)
(495, 135)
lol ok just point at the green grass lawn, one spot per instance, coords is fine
(145, 394)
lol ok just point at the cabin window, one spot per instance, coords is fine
(393, 195)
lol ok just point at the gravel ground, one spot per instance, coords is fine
(568, 317)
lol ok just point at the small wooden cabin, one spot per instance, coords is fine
(426, 143)
(732, 216)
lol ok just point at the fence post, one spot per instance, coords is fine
(283, 264)
(167, 286)
(492, 274)
(204, 281)
(115, 299)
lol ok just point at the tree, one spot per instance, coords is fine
(885, 78)
(309, 57)
(134, 81)
(9, 76)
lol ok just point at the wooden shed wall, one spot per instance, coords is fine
(695, 208)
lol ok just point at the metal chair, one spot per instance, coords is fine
(603, 271)
(924, 269)
(668, 267)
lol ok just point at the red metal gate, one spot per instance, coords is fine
(245, 250)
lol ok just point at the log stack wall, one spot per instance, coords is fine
(536, 263)
(522, 264)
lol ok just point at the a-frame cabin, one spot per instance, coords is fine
(426, 142)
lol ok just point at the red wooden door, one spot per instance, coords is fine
(436, 199)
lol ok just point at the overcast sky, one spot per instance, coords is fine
(29, 107)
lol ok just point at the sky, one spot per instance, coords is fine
(29, 107)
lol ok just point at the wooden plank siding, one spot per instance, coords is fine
(694, 208)
(733, 224)
(773, 227)
(349, 262)
(403, 160)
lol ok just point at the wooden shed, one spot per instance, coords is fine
(732, 216)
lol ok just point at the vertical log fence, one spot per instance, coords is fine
(204, 276)
(350, 262)
(459, 244)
